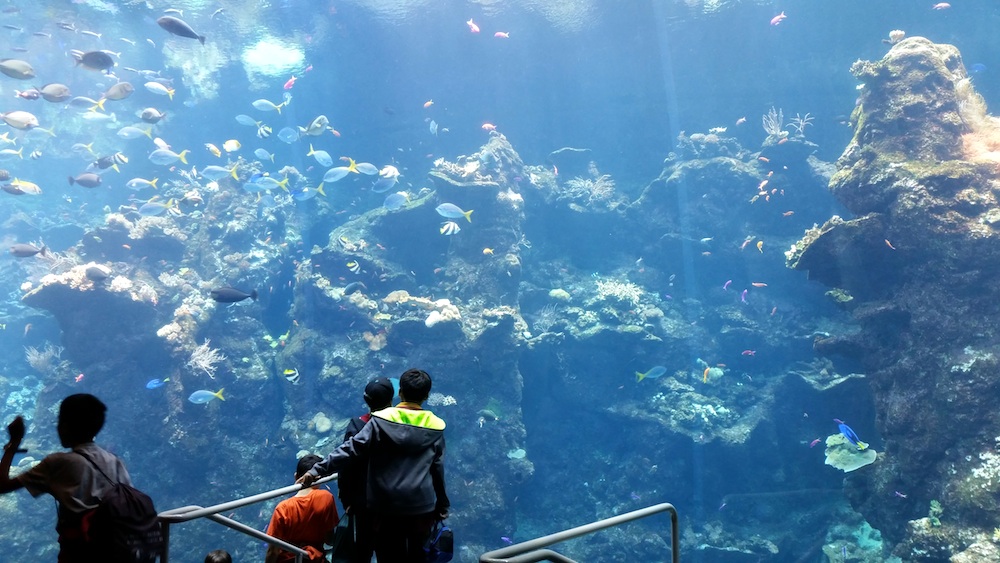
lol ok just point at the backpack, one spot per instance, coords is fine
(440, 547)
(125, 525)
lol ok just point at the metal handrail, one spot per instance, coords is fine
(532, 550)
(193, 512)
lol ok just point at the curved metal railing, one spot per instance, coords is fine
(192, 512)
(534, 550)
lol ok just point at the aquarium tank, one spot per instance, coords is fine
(739, 256)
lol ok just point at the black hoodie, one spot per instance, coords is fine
(404, 451)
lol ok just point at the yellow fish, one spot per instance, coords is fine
(760, 246)
(213, 149)
(232, 145)
(488, 251)
(704, 377)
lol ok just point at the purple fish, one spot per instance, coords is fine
(743, 296)
(725, 286)
(506, 540)
(634, 496)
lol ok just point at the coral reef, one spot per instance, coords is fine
(920, 175)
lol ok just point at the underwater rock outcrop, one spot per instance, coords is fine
(920, 260)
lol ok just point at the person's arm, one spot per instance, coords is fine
(354, 448)
(437, 477)
(16, 431)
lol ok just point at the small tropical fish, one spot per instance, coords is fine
(232, 145)
(395, 201)
(213, 149)
(814, 443)
(322, 157)
(704, 376)
(366, 168)
(262, 154)
(156, 383)
(243, 119)
(340, 172)
(758, 284)
(743, 296)
(433, 127)
(155, 208)
(35, 154)
(180, 28)
(488, 127)
(450, 228)
(725, 286)
(159, 89)
(167, 156)
(778, 18)
(850, 435)
(232, 295)
(263, 131)
(428, 104)
(25, 250)
(653, 373)
(502, 35)
(472, 26)
(203, 396)
(941, 6)
(292, 376)
(487, 251)
(354, 267)
(749, 352)
(452, 211)
(139, 183)
(217, 172)
(267, 105)
(760, 246)
(290, 83)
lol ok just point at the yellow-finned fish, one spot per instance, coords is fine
(354, 267)
(213, 149)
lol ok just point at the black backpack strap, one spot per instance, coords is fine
(97, 467)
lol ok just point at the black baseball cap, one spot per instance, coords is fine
(379, 393)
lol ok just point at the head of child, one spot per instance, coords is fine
(378, 394)
(218, 556)
(414, 386)
(81, 417)
(306, 463)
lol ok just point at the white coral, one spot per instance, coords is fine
(621, 291)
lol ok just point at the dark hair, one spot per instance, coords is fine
(81, 417)
(415, 385)
(218, 556)
(306, 463)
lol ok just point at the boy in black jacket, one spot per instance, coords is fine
(353, 480)
(403, 448)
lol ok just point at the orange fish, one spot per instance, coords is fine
(758, 284)
(760, 246)
(763, 159)
(428, 103)
(761, 186)
(489, 127)
(704, 377)
(889, 244)
(788, 214)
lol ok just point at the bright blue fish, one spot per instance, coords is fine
(851, 436)
(156, 383)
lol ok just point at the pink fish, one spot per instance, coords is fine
(743, 296)
(290, 83)
(502, 35)
(749, 352)
(725, 286)
(472, 26)
(778, 18)
(814, 442)
(941, 6)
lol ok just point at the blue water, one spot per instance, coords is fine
(623, 79)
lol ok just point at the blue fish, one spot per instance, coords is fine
(653, 373)
(452, 211)
(156, 383)
(851, 436)
(203, 396)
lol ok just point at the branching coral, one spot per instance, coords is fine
(621, 291)
(205, 358)
(773, 122)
